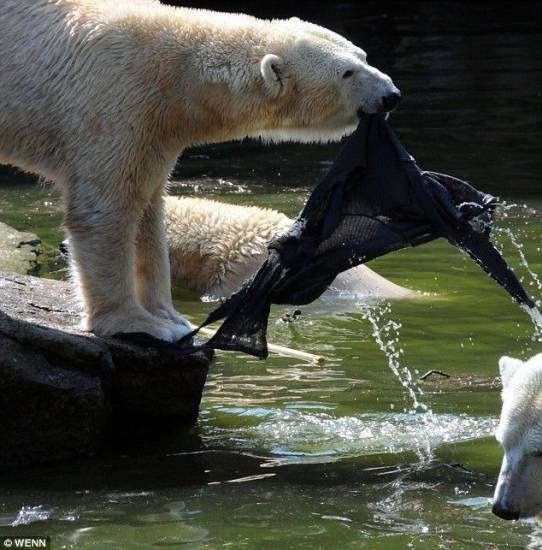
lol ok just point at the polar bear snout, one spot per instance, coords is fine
(501, 509)
(390, 101)
(387, 104)
(376, 91)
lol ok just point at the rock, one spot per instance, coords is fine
(49, 413)
(63, 390)
(18, 250)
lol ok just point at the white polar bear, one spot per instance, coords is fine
(214, 247)
(101, 96)
(519, 489)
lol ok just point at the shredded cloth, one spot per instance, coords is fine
(374, 200)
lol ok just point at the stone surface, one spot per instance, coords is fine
(48, 413)
(18, 250)
(62, 390)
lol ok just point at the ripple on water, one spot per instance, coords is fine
(299, 436)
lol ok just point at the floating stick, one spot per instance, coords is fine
(281, 350)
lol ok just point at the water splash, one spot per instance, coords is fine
(536, 317)
(385, 331)
(523, 259)
(295, 436)
(207, 186)
(502, 233)
(386, 334)
(31, 514)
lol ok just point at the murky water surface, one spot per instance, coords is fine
(344, 455)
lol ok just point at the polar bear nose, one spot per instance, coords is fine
(389, 102)
(503, 511)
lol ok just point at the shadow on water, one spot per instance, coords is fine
(291, 455)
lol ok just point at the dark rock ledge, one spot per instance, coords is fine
(64, 391)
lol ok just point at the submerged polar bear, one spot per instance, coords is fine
(101, 97)
(519, 489)
(214, 247)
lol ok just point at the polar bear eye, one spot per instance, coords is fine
(348, 74)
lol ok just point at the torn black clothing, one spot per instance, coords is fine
(374, 200)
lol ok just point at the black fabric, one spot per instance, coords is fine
(374, 200)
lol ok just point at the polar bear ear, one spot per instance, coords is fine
(508, 366)
(271, 67)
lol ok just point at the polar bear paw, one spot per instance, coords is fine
(137, 320)
(169, 313)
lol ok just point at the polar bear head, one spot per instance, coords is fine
(322, 83)
(285, 80)
(519, 488)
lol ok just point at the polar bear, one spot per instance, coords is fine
(518, 493)
(102, 96)
(215, 246)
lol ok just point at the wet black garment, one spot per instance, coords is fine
(374, 200)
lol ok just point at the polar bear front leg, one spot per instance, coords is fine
(102, 248)
(153, 275)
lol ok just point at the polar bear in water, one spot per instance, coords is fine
(519, 488)
(101, 97)
(214, 247)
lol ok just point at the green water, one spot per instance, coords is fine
(291, 455)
